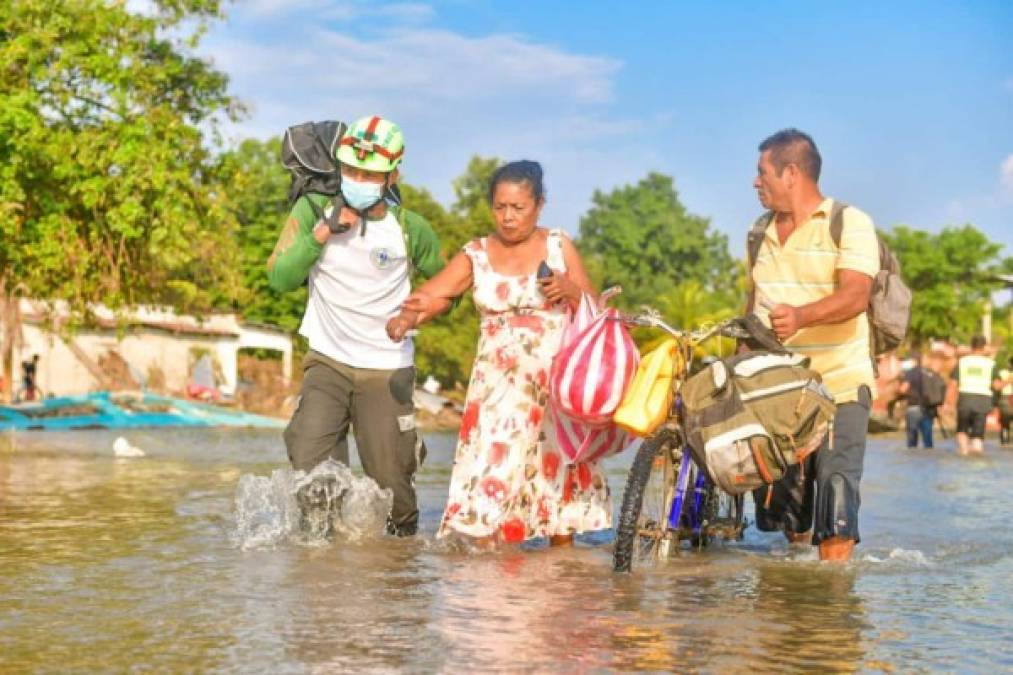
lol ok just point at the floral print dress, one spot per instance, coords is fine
(509, 479)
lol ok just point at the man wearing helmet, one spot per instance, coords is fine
(358, 267)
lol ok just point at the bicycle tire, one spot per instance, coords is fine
(628, 530)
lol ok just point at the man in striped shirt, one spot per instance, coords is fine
(814, 291)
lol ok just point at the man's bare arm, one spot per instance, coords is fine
(849, 300)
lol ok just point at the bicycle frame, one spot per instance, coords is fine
(694, 515)
(681, 507)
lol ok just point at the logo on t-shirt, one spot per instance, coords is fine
(382, 257)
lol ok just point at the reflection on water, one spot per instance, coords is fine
(112, 563)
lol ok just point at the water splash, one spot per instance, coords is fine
(900, 555)
(308, 508)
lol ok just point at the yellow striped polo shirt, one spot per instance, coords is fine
(803, 271)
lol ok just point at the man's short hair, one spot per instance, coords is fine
(978, 341)
(791, 146)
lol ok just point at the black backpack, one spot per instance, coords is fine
(308, 151)
(933, 389)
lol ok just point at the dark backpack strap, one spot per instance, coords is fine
(331, 221)
(754, 240)
(837, 222)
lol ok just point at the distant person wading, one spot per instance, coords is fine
(977, 376)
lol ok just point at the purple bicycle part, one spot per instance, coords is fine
(681, 483)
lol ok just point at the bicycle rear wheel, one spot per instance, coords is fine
(721, 517)
(647, 501)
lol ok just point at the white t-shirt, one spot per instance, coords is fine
(355, 287)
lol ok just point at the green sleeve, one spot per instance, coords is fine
(424, 245)
(296, 251)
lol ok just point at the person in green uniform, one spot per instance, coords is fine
(358, 274)
(975, 375)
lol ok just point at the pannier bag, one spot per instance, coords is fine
(594, 365)
(750, 417)
(648, 399)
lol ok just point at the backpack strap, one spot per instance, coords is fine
(837, 222)
(754, 240)
(401, 217)
(755, 237)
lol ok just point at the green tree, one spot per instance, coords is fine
(471, 204)
(254, 175)
(643, 238)
(689, 305)
(446, 346)
(951, 275)
(107, 184)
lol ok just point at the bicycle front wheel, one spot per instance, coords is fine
(643, 519)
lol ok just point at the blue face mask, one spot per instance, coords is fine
(360, 195)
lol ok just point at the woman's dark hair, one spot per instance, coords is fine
(522, 171)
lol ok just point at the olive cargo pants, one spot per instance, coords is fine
(378, 405)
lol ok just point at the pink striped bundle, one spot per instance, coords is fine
(580, 442)
(591, 372)
(589, 376)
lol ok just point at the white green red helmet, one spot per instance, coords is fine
(372, 144)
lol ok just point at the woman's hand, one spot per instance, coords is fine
(559, 287)
(401, 324)
(425, 306)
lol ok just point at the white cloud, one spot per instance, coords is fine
(455, 95)
(331, 10)
(142, 7)
(270, 8)
(421, 64)
(1006, 177)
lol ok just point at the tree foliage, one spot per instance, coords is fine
(254, 176)
(951, 275)
(643, 238)
(107, 184)
(446, 346)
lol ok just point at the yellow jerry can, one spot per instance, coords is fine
(649, 396)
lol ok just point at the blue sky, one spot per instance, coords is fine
(910, 103)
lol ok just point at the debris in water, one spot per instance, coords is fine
(122, 448)
(309, 508)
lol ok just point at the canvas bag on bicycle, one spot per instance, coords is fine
(749, 417)
(594, 365)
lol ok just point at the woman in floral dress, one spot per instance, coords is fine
(510, 482)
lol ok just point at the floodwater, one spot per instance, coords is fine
(137, 564)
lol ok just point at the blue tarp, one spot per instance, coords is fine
(103, 410)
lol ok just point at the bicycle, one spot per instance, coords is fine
(668, 497)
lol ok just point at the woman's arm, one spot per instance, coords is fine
(450, 282)
(433, 297)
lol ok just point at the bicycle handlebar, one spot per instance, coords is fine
(651, 318)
